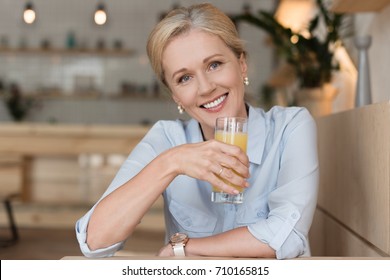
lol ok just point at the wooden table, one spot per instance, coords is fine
(153, 257)
(29, 140)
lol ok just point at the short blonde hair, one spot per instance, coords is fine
(204, 17)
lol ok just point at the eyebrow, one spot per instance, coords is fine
(204, 60)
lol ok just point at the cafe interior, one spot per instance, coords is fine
(77, 93)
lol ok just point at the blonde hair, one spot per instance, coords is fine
(204, 17)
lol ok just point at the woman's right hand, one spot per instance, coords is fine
(206, 160)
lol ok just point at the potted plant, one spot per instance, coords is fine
(310, 56)
(18, 106)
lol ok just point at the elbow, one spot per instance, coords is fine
(96, 237)
(270, 253)
(266, 252)
(93, 241)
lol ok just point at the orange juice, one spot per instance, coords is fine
(239, 139)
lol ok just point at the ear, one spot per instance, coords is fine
(243, 65)
(177, 101)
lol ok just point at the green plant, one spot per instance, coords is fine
(311, 57)
(18, 106)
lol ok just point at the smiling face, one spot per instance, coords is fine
(205, 78)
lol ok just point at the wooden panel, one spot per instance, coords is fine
(11, 173)
(33, 139)
(71, 130)
(317, 235)
(36, 140)
(10, 180)
(353, 6)
(354, 171)
(329, 238)
(48, 145)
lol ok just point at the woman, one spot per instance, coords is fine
(197, 54)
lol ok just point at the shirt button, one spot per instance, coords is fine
(294, 216)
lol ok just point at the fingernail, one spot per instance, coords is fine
(236, 191)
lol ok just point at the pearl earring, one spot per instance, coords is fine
(246, 81)
(181, 109)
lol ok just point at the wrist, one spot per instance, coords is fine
(196, 247)
(178, 243)
(190, 247)
(173, 158)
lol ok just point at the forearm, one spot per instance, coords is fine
(116, 216)
(238, 242)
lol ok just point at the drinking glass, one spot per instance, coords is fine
(234, 131)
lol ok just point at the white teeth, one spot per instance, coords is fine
(215, 102)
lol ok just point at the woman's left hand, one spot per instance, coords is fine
(166, 251)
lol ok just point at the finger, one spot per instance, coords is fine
(236, 152)
(229, 181)
(233, 177)
(165, 251)
(233, 157)
(220, 171)
(221, 185)
(233, 163)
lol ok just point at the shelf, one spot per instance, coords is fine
(83, 96)
(70, 52)
(356, 6)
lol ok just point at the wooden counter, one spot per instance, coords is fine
(353, 213)
(46, 139)
(26, 141)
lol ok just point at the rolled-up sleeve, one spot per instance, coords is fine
(81, 234)
(292, 202)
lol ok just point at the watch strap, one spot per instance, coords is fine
(178, 250)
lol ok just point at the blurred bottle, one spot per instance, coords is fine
(71, 40)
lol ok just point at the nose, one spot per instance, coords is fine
(205, 85)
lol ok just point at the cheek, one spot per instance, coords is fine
(231, 77)
(185, 95)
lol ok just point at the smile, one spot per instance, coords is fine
(215, 103)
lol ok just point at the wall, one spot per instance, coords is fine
(376, 24)
(128, 21)
(379, 55)
(101, 111)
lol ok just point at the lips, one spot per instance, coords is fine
(215, 103)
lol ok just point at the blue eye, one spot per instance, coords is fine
(215, 65)
(184, 79)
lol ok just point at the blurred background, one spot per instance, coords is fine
(77, 71)
(80, 72)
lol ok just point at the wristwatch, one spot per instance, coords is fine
(178, 242)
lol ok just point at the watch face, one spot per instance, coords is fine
(178, 237)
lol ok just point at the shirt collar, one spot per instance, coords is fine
(256, 135)
(195, 135)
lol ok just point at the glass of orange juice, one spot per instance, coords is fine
(234, 131)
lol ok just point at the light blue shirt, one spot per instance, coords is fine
(279, 204)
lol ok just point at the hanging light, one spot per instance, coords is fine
(29, 14)
(100, 16)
